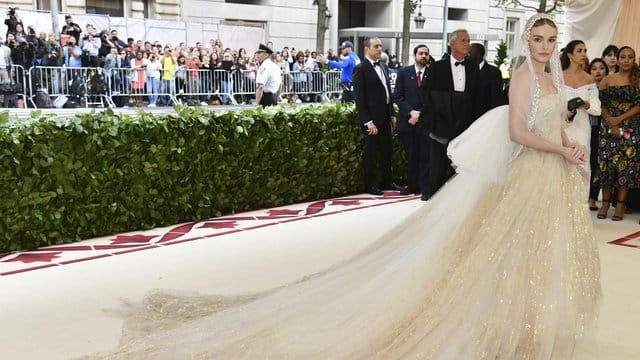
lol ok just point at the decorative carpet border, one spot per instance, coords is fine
(18, 262)
(631, 240)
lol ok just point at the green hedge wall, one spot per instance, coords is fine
(66, 179)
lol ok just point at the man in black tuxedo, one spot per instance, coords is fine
(415, 138)
(490, 81)
(449, 105)
(372, 94)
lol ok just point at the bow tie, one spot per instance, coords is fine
(459, 63)
(376, 63)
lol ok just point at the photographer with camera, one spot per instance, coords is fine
(12, 20)
(91, 44)
(72, 54)
(37, 44)
(106, 44)
(74, 79)
(22, 53)
(53, 57)
(54, 54)
(71, 29)
(114, 39)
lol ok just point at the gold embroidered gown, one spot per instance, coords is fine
(504, 271)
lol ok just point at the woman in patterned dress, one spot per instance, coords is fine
(598, 69)
(619, 158)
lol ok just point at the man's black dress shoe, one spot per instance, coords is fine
(408, 191)
(374, 191)
(425, 197)
(392, 186)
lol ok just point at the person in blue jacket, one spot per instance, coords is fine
(348, 62)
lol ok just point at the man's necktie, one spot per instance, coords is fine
(419, 78)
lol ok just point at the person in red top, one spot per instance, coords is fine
(138, 80)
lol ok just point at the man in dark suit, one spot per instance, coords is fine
(449, 105)
(490, 81)
(372, 94)
(408, 96)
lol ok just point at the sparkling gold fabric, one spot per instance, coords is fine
(506, 271)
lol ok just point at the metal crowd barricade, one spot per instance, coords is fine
(74, 83)
(304, 84)
(130, 84)
(55, 79)
(189, 86)
(244, 85)
(225, 85)
(332, 84)
(15, 86)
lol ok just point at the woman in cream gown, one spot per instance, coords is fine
(500, 264)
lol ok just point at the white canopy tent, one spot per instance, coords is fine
(602, 22)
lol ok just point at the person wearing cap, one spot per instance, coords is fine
(71, 28)
(347, 64)
(268, 78)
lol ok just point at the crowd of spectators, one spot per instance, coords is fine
(154, 72)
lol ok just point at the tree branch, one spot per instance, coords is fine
(515, 3)
(553, 8)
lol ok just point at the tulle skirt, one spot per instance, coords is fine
(501, 270)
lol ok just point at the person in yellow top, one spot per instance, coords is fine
(168, 86)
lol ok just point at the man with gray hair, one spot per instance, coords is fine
(449, 105)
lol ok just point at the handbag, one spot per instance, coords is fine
(574, 103)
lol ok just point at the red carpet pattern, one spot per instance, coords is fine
(119, 244)
(631, 240)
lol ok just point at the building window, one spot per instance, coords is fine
(510, 33)
(245, 2)
(458, 14)
(46, 5)
(105, 7)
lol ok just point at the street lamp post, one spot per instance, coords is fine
(419, 19)
(445, 18)
(409, 6)
(327, 18)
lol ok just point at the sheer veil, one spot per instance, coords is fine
(425, 289)
(469, 151)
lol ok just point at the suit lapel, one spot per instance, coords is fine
(375, 73)
(385, 72)
(449, 75)
(467, 75)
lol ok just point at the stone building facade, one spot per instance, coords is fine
(292, 23)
